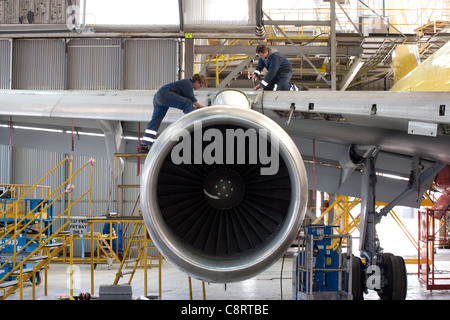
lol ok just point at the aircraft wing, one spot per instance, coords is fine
(406, 126)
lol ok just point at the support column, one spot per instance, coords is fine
(368, 202)
(366, 155)
(113, 138)
(333, 44)
(188, 58)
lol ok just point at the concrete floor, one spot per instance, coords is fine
(175, 285)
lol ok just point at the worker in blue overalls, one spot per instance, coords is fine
(279, 69)
(178, 94)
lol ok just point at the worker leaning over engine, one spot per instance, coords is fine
(279, 69)
(178, 94)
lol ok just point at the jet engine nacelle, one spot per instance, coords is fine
(223, 193)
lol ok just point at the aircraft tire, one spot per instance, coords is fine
(358, 279)
(394, 281)
(400, 279)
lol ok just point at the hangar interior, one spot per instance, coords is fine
(70, 197)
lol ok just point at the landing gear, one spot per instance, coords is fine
(386, 273)
(393, 277)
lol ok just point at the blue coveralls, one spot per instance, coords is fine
(178, 94)
(279, 71)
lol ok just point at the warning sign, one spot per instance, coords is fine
(78, 225)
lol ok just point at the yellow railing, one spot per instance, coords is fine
(226, 62)
(417, 19)
(31, 217)
(18, 189)
(222, 61)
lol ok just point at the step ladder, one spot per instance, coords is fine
(376, 51)
(141, 249)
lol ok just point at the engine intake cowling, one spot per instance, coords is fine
(223, 193)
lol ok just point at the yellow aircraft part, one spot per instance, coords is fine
(409, 74)
(431, 75)
(405, 59)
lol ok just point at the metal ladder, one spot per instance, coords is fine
(385, 48)
(142, 250)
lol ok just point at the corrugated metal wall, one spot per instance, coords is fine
(5, 64)
(89, 64)
(39, 64)
(5, 164)
(149, 63)
(94, 64)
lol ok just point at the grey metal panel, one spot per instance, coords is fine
(150, 63)
(38, 64)
(94, 64)
(5, 164)
(5, 64)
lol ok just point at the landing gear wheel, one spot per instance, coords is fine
(358, 279)
(393, 279)
(400, 278)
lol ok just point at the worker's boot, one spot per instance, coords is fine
(144, 148)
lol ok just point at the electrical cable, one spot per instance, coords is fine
(302, 45)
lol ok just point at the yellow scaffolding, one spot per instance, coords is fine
(142, 240)
(346, 223)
